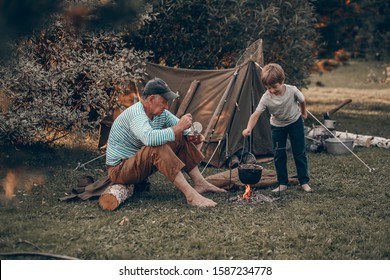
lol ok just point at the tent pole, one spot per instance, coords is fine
(227, 155)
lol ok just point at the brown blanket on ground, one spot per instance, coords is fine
(87, 189)
(268, 178)
(92, 190)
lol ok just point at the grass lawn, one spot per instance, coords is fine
(346, 217)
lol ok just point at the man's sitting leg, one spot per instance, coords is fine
(200, 183)
(193, 197)
(191, 157)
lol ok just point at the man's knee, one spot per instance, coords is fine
(161, 150)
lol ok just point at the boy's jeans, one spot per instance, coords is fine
(298, 146)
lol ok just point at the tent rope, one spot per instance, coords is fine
(215, 150)
(82, 165)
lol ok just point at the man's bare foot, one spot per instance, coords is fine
(201, 201)
(207, 187)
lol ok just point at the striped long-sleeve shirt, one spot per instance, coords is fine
(132, 130)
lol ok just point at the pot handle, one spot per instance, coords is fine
(243, 150)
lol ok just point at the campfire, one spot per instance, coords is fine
(252, 197)
(250, 174)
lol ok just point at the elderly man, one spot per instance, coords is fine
(147, 137)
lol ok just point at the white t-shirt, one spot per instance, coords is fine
(284, 109)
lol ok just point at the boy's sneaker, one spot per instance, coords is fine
(280, 188)
(306, 188)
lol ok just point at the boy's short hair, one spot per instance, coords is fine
(272, 74)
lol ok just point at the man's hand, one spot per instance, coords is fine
(200, 140)
(195, 138)
(184, 123)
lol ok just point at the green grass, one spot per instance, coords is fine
(347, 217)
(355, 74)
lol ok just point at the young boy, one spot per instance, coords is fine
(287, 107)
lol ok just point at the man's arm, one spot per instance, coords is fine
(148, 135)
(184, 123)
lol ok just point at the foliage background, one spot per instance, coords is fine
(361, 27)
(213, 34)
(62, 82)
(64, 78)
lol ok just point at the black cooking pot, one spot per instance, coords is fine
(250, 174)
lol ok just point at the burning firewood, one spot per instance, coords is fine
(255, 197)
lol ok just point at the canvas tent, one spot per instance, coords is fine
(222, 101)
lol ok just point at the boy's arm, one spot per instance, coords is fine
(251, 123)
(303, 110)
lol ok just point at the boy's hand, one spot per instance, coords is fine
(246, 132)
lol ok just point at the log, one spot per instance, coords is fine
(365, 140)
(359, 140)
(114, 195)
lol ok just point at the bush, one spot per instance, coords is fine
(63, 81)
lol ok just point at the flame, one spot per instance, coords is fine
(247, 193)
